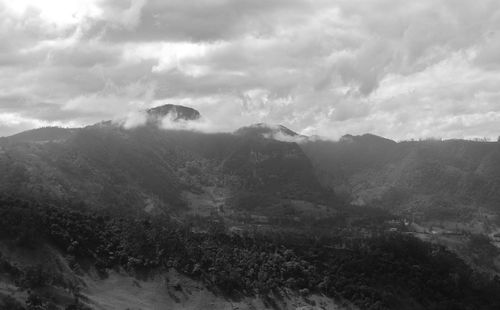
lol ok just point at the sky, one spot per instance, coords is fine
(399, 69)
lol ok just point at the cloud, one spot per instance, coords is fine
(392, 68)
(12, 123)
(133, 119)
(179, 20)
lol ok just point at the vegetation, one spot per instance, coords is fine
(397, 176)
(388, 271)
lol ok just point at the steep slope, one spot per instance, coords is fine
(421, 174)
(99, 166)
(57, 281)
(275, 168)
(173, 291)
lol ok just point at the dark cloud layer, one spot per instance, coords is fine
(399, 69)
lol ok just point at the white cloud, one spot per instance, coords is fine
(60, 13)
(134, 119)
(12, 123)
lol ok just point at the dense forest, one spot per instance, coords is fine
(389, 271)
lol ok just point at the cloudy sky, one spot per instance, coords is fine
(401, 69)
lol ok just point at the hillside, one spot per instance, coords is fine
(420, 174)
(147, 168)
(57, 256)
(45, 134)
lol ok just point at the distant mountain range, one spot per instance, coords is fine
(258, 169)
(156, 170)
(429, 177)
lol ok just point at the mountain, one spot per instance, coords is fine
(263, 218)
(423, 176)
(174, 112)
(270, 170)
(106, 166)
(45, 134)
(257, 169)
(268, 131)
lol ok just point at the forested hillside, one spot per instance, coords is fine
(389, 271)
(413, 175)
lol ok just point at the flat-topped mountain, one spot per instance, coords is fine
(175, 112)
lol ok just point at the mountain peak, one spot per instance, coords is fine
(270, 131)
(176, 112)
(366, 138)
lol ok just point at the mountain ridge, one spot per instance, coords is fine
(364, 169)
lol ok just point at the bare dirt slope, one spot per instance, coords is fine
(172, 291)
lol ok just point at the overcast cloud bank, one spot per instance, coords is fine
(394, 68)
